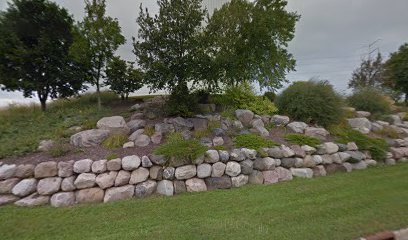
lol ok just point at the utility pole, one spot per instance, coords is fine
(372, 48)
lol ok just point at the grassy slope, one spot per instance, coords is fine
(336, 207)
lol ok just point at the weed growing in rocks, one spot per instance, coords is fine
(115, 141)
(253, 141)
(301, 139)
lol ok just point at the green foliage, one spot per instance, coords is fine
(112, 156)
(311, 102)
(122, 77)
(115, 141)
(59, 149)
(270, 95)
(253, 141)
(219, 148)
(370, 100)
(178, 150)
(98, 37)
(378, 147)
(388, 132)
(301, 139)
(369, 74)
(397, 70)
(35, 39)
(181, 103)
(31, 125)
(248, 40)
(149, 130)
(243, 97)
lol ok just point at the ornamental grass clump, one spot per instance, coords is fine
(301, 139)
(253, 141)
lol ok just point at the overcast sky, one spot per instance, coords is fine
(331, 37)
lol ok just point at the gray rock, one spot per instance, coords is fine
(237, 124)
(347, 166)
(212, 156)
(218, 141)
(135, 134)
(308, 162)
(179, 187)
(249, 153)
(218, 169)
(297, 127)
(63, 199)
(156, 172)
(115, 124)
(214, 183)
(299, 162)
(308, 149)
(371, 163)
(139, 175)
(284, 174)
(275, 152)
(7, 171)
(119, 193)
(247, 167)
(67, 184)
(25, 187)
(83, 166)
(89, 195)
(48, 186)
(336, 158)
(145, 189)
(395, 119)
(359, 166)
(146, 163)
(136, 124)
(288, 162)
(122, 178)
(224, 155)
(239, 180)
(158, 159)
(287, 152)
(181, 124)
(390, 161)
(362, 114)
(302, 172)
(359, 123)
(233, 169)
(33, 200)
(142, 140)
(355, 156)
(319, 171)
(334, 168)
(219, 132)
(6, 199)
(270, 177)
(344, 156)
(279, 120)
(264, 164)
(237, 155)
(114, 164)
(99, 166)
(24, 171)
(204, 170)
(46, 169)
(299, 152)
(130, 163)
(85, 180)
(196, 185)
(164, 128)
(156, 138)
(244, 116)
(66, 169)
(186, 172)
(45, 145)
(168, 173)
(136, 107)
(205, 141)
(320, 133)
(327, 148)
(129, 145)
(199, 123)
(7, 185)
(256, 177)
(106, 180)
(89, 138)
(165, 187)
(327, 159)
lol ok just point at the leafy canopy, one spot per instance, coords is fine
(35, 39)
(397, 70)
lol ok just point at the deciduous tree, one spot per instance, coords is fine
(397, 70)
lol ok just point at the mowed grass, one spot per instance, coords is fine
(23, 127)
(343, 206)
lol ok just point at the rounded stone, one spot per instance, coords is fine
(119, 193)
(48, 186)
(165, 187)
(85, 180)
(106, 180)
(218, 169)
(130, 163)
(196, 185)
(99, 166)
(185, 172)
(46, 169)
(83, 166)
(145, 189)
(114, 164)
(233, 169)
(239, 180)
(139, 175)
(89, 195)
(63, 199)
(66, 169)
(204, 170)
(25, 171)
(25, 187)
(122, 178)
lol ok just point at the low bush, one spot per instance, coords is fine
(378, 147)
(270, 95)
(115, 141)
(253, 141)
(178, 151)
(243, 97)
(311, 102)
(59, 149)
(370, 100)
(301, 139)
(388, 132)
(112, 156)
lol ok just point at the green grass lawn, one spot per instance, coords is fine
(343, 206)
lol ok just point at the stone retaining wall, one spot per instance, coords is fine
(86, 181)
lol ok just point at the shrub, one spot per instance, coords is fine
(370, 100)
(180, 151)
(311, 102)
(112, 156)
(301, 139)
(270, 95)
(181, 103)
(378, 147)
(243, 97)
(115, 141)
(388, 132)
(253, 141)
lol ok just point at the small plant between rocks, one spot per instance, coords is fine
(253, 141)
(300, 139)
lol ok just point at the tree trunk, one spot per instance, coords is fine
(122, 97)
(43, 100)
(406, 98)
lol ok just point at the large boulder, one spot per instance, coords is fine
(165, 187)
(89, 138)
(89, 195)
(196, 185)
(185, 172)
(302, 172)
(122, 178)
(63, 199)
(85, 180)
(218, 169)
(218, 183)
(33, 200)
(7, 185)
(83, 166)
(168, 173)
(256, 177)
(212, 156)
(264, 164)
(142, 140)
(164, 128)
(239, 180)
(233, 169)
(270, 177)
(114, 164)
(115, 124)
(25, 187)
(297, 127)
(136, 124)
(106, 180)
(119, 193)
(66, 169)
(361, 124)
(130, 163)
(25, 171)
(320, 133)
(67, 184)
(199, 123)
(99, 166)
(204, 170)
(145, 189)
(7, 171)
(46, 169)
(179, 186)
(181, 124)
(139, 175)
(244, 116)
(247, 167)
(48, 186)
(279, 120)
(6, 199)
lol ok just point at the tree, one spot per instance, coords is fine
(35, 38)
(370, 73)
(247, 41)
(397, 70)
(168, 49)
(122, 77)
(98, 38)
